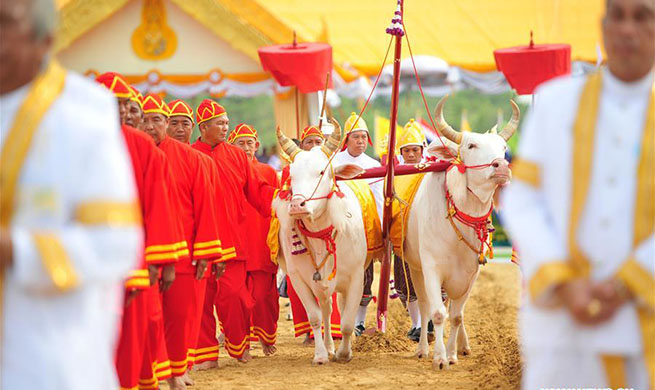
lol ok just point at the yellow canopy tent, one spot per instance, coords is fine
(215, 50)
(464, 33)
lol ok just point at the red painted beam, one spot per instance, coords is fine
(405, 169)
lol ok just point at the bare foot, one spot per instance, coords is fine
(268, 349)
(308, 341)
(187, 379)
(208, 365)
(246, 357)
(176, 383)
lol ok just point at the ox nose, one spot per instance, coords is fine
(501, 166)
(298, 205)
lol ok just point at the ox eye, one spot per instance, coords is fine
(472, 146)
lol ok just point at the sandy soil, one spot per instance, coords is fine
(490, 318)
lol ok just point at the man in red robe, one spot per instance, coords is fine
(311, 136)
(162, 233)
(261, 271)
(239, 182)
(180, 127)
(197, 211)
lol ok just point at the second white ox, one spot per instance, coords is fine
(436, 256)
(316, 202)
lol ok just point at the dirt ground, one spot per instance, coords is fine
(490, 317)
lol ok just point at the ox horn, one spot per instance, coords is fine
(334, 140)
(287, 145)
(443, 126)
(513, 123)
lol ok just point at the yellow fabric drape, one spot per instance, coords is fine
(370, 216)
(406, 187)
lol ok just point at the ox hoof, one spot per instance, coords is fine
(320, 360)
(465, 351)
(344, 357)
(452, 360)
(422, 352)
(440, 364)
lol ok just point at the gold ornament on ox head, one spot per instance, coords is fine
(153, 39)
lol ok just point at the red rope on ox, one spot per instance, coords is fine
(327, 237)
(478, 224)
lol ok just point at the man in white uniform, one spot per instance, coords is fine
(582, 214)
(356, 143)
(69, 218)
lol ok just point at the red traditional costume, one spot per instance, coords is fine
(164, 242)
(300, 320)
(261, 271)
(237, 181)
(194, 355)
(197, 211)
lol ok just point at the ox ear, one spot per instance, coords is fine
(447, 152)
(348, 171)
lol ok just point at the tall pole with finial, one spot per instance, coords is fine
(295, 93)
(396, 29)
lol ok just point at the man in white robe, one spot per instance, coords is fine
(581, 212)
(69, 229)
(357, 141)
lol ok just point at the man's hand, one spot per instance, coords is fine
(6, 248)
(153, 274)
(218, 269)
(130, 296)
(201, 267)
(167, 277)
(612, 294)
(591, 303)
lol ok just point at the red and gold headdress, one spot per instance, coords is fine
(209, 109)
(311, 131)
(153, 103)
(116, 83)
(136, 96)
(181, 108)
(242, 130)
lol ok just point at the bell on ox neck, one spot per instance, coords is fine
(317, 276)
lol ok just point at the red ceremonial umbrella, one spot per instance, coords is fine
(525, 67)
(303, 65)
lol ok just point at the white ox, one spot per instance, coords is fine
(436, 256)
(312, 180)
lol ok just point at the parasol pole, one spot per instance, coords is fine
(320, 116)
(397, 30)
(295, 92)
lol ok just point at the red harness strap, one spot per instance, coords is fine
(478, 224)
(325, 235)
(287, 193)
